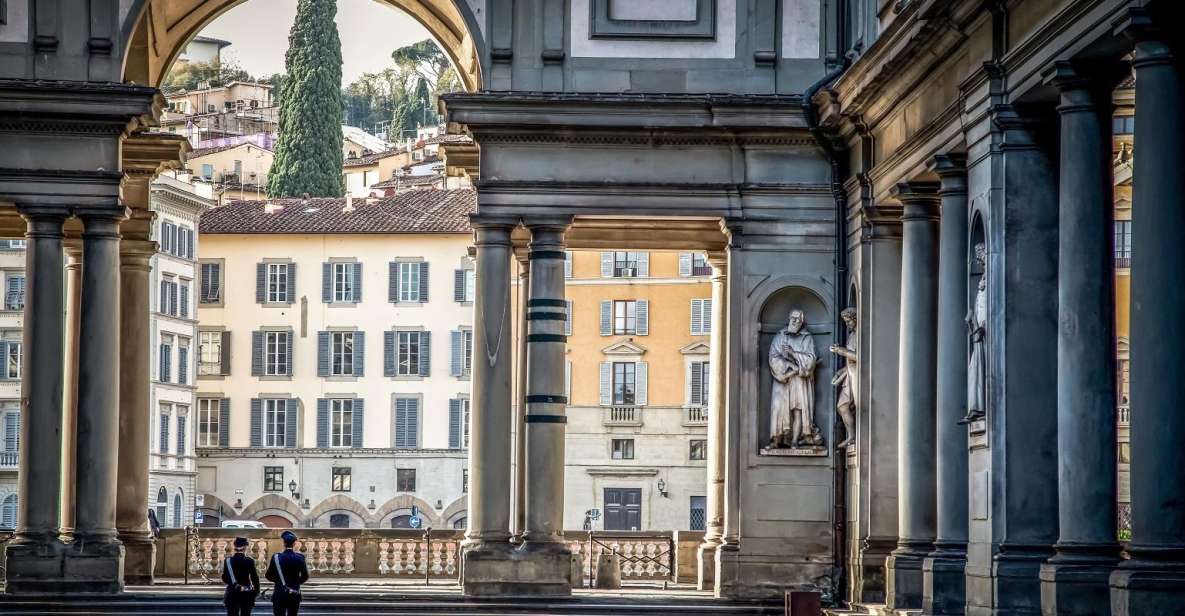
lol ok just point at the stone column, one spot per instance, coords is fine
(917, 383)
(717, 389)
(520, 430)
(1075, 580)
(70, 392)
(131, 509)
(34, 555)
(943, 571)
(487, 539)
(95, 561)
(728, 579)
(545, 403)
(1153, 580)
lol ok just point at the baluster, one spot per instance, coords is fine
(383, 568)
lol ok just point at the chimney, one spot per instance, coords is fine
(349, 202)
(271, 207)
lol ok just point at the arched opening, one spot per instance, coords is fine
(178, 522)
(158, 31)
(275, 521)
(401, 521)
(8, 512)
(162, 506)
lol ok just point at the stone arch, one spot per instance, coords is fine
(156, 31)
(339, 502)
(402, 505)
(272, 503)
(459, 506)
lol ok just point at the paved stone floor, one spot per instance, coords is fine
(359, 598)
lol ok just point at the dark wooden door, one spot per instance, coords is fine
(623, 509)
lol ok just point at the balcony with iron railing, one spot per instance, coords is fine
(9, 459)
(621, 415)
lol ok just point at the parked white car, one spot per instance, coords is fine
(242, 524)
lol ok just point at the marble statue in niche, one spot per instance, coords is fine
(792, 362)
(846, 378)
(977, 332)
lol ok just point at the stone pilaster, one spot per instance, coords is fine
(1153, 580)
(944, 589)
(917, 523)
(487, 541)
(718, 390)
(131, 517)
(34, 557)
(1075, 580)
(95, 560)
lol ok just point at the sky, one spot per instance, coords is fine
(369, 31)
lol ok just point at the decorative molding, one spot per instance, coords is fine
(696, 348)
(602, 25)
(623, 347)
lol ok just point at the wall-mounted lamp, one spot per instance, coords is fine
(439, 504)
(292, 489)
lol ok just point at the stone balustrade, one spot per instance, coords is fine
(409, 554)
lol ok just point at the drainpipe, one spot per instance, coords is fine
(839, 460)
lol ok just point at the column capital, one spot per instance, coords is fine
(919, 199)
(135, 253)
(951, 170)
(718, 259)
(560, 223)
(492, 233)
(880, 223)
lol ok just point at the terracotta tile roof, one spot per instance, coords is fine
(415, 211)
(409, 181)
(426, 161)
(370, 159)
(447, 139)
(220, 148)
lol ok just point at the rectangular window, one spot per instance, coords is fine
(209, 415)
(276, 353)
(470, 284)
(12, 363)
(408, 359)
(341, 353)
(699, 513)
(211, 291)
(409, 281)
(275, 422)
(1123, 125)
(701, 317)
(14, 292)
(183, 361)
(625, 317)
(164, 372)
(277, 283)
(699, 265)
(405, 480)
(273, 479)
(341, 422)
(209, 353)
(466, 352)
(625, 264)
(342, 479)
(623, 449)
(698, 449)
(163, 445)
(699, 383)
(623, 382)
(343, 282)
(1123, 243)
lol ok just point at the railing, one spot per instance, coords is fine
(9, 459)
(623, 416)
(696, 416)
(199, 553)
(644, 556)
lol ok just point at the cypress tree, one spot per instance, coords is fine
(308, 157)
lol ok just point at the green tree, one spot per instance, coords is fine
(308, 157)
(195, 75)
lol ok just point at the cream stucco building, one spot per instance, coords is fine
(333, 374)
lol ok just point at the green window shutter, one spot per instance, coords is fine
(260, 283)
(326, 282)
(423, 281)
(454, 423)
(388, 353)
(322, 353)
(356, 273)
(256, 353)
(425, 353)
(256, 422)
(322, 423)
(359, 353)
(359, 421)
(224, 422)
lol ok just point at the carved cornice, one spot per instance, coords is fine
(710, 138)
(73, 107)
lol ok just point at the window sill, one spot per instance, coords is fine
(342, 304)
(275, 377)
(412, 377)
(277, 304)
(408, 304)
(212, 377)
(464, 377)
(217, 304)
(341, 378)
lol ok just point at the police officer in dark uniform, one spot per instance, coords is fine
(287, 569)
(241, 579)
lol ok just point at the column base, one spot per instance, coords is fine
(139, 560)
(58, 568)
(867, 570)
(944, 583)
(1138, 589)
(1016, 573)
(903, 579)
(532, 570)
(706, 560)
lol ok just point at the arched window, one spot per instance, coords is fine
(8, 512)
(461, 523)
(401, 521)
(339, 520)
(162, 506)
(177, 523)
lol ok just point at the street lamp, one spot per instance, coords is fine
(292, 489)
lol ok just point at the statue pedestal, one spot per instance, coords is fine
(795, 452)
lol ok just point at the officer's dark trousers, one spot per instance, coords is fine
(285, 610)
(239, 610)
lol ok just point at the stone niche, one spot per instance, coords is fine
(774, 315)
